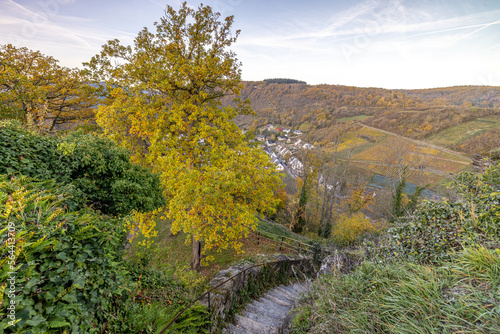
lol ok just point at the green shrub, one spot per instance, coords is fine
(69, 270)
(302, 322)
(66, 262)
(101, 171)
(28, 153)
(437, 229)
(104, 175)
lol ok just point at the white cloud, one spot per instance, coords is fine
(373, 43)
(70, 39)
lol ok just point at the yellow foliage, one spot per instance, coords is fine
(142, 224)
(39, 92)
(165, 106)
(350, 227)
(428, 150)
(350, 142)
(358, 200)
(370, 132)
(191, 279)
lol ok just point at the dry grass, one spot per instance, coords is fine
(459, 297)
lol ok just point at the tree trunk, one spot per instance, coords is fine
(196, 254)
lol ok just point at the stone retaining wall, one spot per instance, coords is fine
(227, 296)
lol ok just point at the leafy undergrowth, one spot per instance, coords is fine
(63, 270)
(462, 296)
(437, 229)
(100, 172)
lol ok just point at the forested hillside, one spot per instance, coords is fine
(416, 114)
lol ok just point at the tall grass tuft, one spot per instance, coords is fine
(461, 297)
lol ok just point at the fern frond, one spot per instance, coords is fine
(57, 323)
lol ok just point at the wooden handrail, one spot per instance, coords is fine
(215, 287)
(282, 236)
(277, 243)
(291, 247)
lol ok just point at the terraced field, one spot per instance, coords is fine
(378, 152)
(466, 131)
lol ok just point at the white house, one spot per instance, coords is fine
(260, 137)
(270, 143)
(296, 166)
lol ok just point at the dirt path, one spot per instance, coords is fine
(421, 143)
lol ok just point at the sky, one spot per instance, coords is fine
(391, 44)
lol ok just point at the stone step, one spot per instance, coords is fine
(254, 326)
(232, 329)
(268, 308)
(277, 299)
(268, 314)
(281, 294)
(286, 293)
(265, 320)
(290, 288)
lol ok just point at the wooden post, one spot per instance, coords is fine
(210, 314)
(281, 244)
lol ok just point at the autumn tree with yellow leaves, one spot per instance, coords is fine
(35, 89)
(164, 104)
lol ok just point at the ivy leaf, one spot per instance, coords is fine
(36, 320)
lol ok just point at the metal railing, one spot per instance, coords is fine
(207, 293)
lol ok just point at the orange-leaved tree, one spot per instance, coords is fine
(164, 104)
(35, 88)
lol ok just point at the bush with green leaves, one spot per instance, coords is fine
(28, 153)
(68, 267)
(101, 171)
(437, 229)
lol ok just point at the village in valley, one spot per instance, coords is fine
(281, 144)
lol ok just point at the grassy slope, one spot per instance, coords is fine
(464, 132)
(460, 297)
(273, 229)
(352, 118)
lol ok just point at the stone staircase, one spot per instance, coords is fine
(270, 313)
